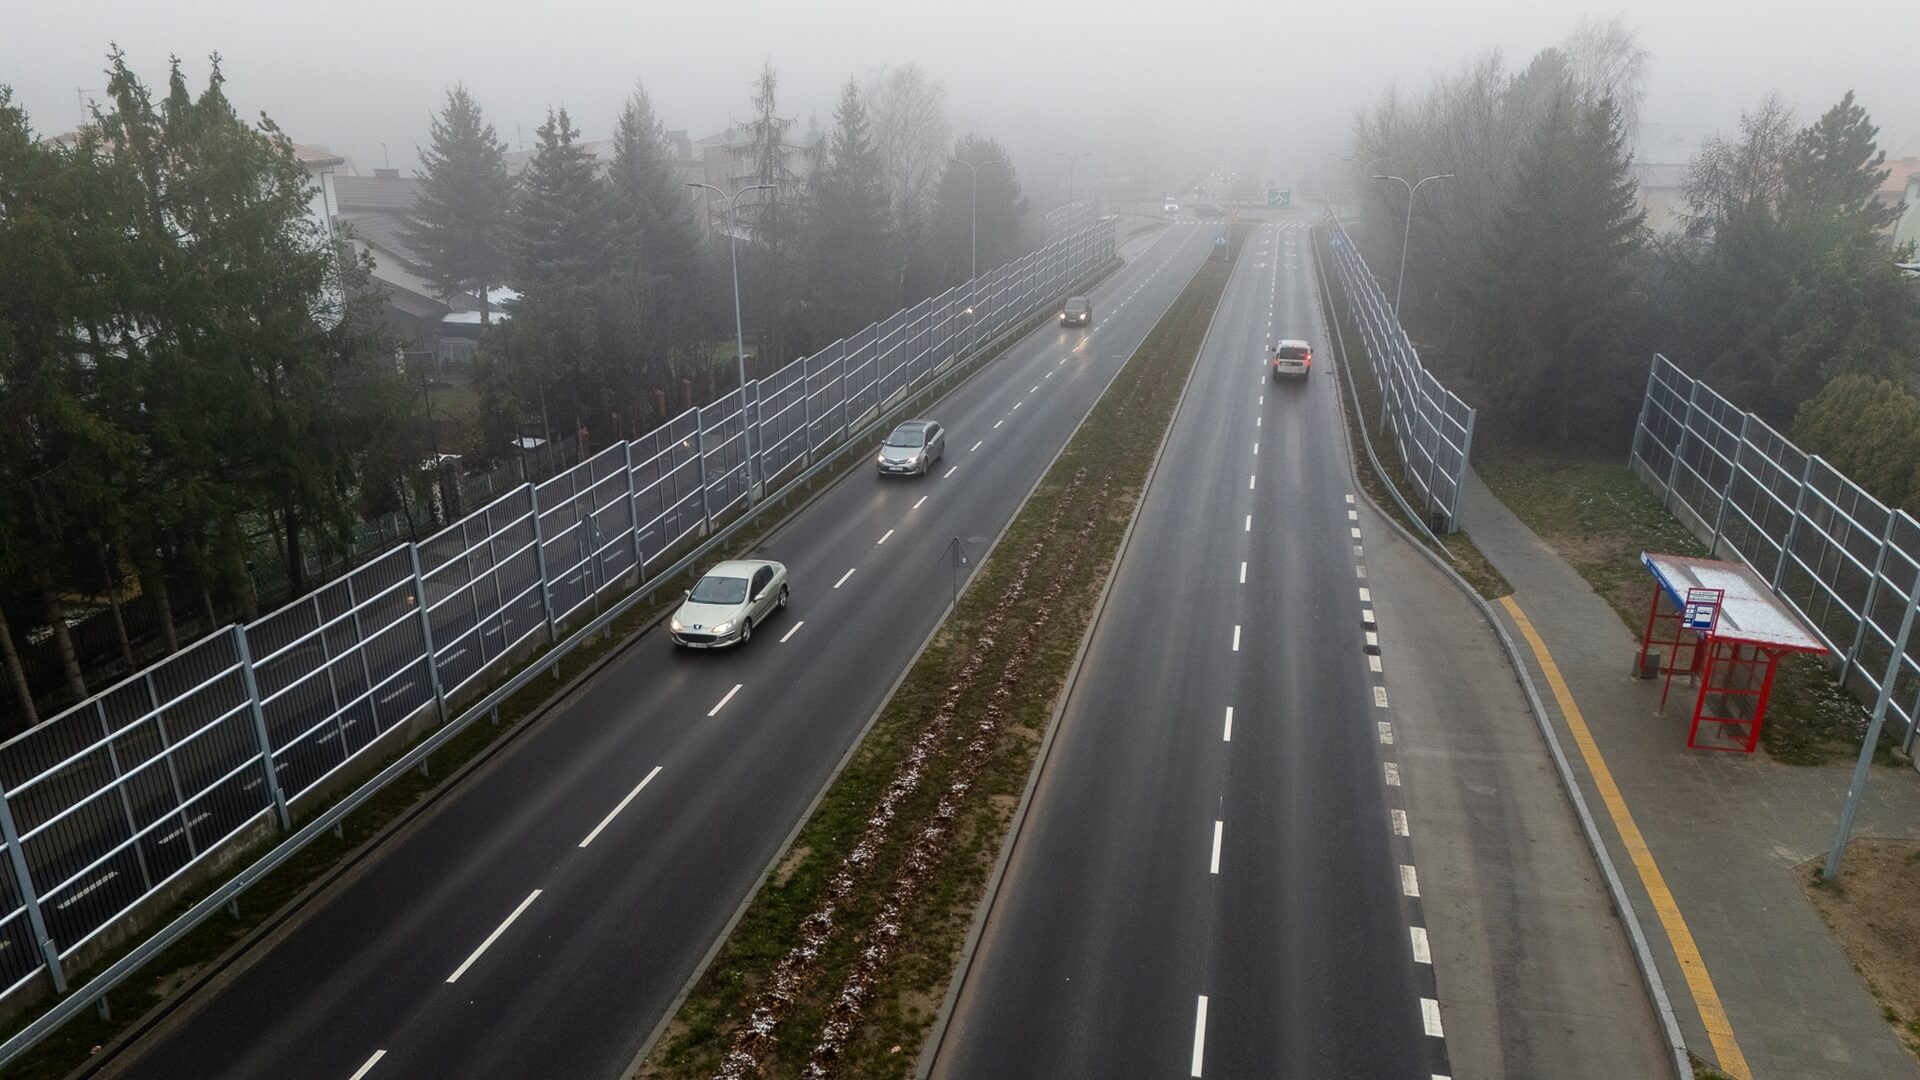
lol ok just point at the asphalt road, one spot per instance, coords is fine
(541, 918)
(1189, 898)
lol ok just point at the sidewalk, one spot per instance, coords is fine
(1725, 831)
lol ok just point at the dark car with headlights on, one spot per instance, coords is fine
(1077, 311)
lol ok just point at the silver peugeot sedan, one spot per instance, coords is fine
(723, 607)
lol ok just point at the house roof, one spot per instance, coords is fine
(1899, 173)
(317, 157)
(377, 192)
(384, 231)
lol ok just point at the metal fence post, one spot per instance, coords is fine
(1460, 481)
(23, 881)
(846, 414)
(1726, 494)
(267, 764)
(1646, 407)
(806, 405)
(426, 632)
(540, 564)
(1873, 593)
(700, 457)
(633, 515)
(1793, 523)
(1857, 788)
(1686, 428)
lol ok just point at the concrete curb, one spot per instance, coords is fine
(1616, 889)
(943, 1019)
(739, 912)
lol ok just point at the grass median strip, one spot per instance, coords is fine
(839, 962)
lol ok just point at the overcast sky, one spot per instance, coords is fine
(1039, 73)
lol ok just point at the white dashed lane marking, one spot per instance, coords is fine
(723, 701)
(368, 1067)
(1409, 881)
(1226, 733)
(1422, 952)
(795, 630)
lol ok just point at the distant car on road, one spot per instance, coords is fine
(1291, 357)
(912, 448)
(1171, 207)
(1077, 311)
(726, 604)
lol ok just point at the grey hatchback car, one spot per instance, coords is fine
(912, 448)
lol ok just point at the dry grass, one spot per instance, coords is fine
(1872, 914)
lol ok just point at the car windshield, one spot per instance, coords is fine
(907, 437)
(1292, 352)
(1077, 304)
(720, 590)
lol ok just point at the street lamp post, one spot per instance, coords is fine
(1071, 160)
(1407, 231)
(739, 333)
(973, 199)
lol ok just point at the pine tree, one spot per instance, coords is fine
(1555, 303)
(655, 238)
(1001, 206)
(459, 228)
(561, 219)
(851, 222)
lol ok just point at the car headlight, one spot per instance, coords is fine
(723, 627)
(675, 624)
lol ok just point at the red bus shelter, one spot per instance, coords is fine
(1719, 623)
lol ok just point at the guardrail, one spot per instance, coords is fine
(1431, 427)
(1838, 556)
(108, 805)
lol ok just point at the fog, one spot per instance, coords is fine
(1191, 79)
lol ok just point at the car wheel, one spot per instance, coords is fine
(746, 631)
(783, 596)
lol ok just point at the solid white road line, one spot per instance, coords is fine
(1430, 1016)
(974, 447)
(491, 938)
(622, 805)
(884, 539)
(1199, 1034)
(1393, 774)
(723, 701)
(1422, 952)
(923, 499)
(1409, 881)
(1215, 868)
(368, 1067)
(1399, 819)
(1243, 573)
(1226, 733)
(795, 630)
(844, 577)
(953, 470)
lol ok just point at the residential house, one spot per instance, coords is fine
(1902, 188)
